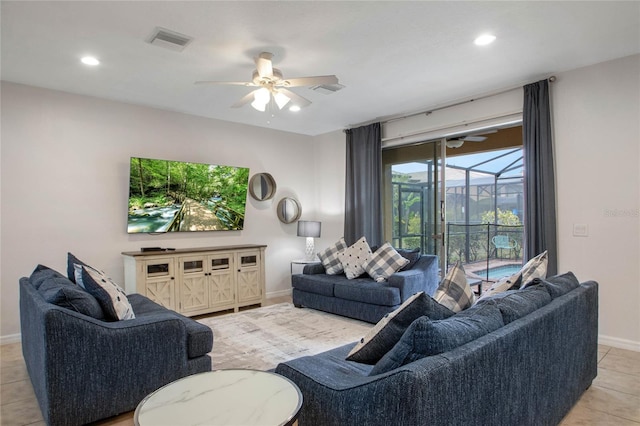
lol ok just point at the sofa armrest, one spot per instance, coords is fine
(313, 268)
(422, 277)
(90, 362)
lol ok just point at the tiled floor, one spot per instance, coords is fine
(613, 398)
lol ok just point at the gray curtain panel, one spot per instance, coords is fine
(539, 190)
(363, 208)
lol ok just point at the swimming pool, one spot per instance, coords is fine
(499, 271)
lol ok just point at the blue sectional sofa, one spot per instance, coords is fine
(85, 369)
(541, 356)
(362, 298)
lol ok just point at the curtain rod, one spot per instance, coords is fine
(390, 119)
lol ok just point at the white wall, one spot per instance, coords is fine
(64, 178)
(64, 175)
(597, 139)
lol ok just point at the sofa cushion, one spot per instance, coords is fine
(412, 255)
(426, 337)
(366, 290)
(316, 283)
(354, 257)
(42, 273)
(388, 331)
(454, 292)
(110, 295)
(62, 292)
(384, 262)
(199, 336)
(534, 268)
(329, 257)
(515, 304)
(558, 285)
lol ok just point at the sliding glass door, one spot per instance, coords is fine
(413, 202)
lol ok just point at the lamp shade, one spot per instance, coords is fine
(308, 228)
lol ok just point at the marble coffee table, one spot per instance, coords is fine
(223, 397)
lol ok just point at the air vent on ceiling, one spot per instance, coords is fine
(169, 39)
(327, 89)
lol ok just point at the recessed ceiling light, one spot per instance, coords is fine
(90, 60)
(485, 39)
(294, 108)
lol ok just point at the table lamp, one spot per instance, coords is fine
(310, 230)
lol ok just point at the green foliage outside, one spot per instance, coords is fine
(163, 183)
(505, 217)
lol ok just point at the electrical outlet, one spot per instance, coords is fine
(580, 230)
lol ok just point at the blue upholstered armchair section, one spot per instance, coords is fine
(83, 369)
(363, 298)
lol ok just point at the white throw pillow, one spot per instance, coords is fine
(385, 262)
(111, 297)
(354, 257)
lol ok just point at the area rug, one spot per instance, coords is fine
(261, 338)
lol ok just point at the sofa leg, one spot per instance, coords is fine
(297, 306)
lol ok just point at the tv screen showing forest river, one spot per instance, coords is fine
(175, 196)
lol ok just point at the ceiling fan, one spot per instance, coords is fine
(457, 142)
(271, 85)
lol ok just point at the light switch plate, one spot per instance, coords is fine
(580, 230)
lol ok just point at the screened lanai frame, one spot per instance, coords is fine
(475, 183)
(494, 182)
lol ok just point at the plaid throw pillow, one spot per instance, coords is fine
(453, 291)
(354, 257)
(534, 268)
(384, 262)
(330, 260)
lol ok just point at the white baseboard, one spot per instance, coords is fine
(11, 338)
(279, 293)
(616, 342)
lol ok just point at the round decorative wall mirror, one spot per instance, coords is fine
(289, 210)
(262, 186)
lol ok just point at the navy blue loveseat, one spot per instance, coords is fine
(530, 370)
(85, 369)
(362, 298)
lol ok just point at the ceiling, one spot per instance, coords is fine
(393, 58)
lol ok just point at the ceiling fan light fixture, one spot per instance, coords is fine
(455, 143)
(281, 99)
(262, 96)
(259, 106)
(294, 108)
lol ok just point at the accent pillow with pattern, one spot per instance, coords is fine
(110, 295)
(535, 268)
(329, 257)
(388, 331)
(384, 262)
(454, 292)
(354, 257)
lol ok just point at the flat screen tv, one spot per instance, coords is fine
(176, 196)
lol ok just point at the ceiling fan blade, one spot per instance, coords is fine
(295, 98)
(310, 81)
(244, 100)
(474, 138)
(264, 65)
(234, 83)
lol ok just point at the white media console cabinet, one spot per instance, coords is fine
(198, 281)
